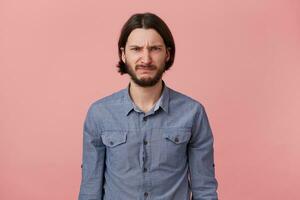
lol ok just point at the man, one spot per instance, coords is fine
(147, 141)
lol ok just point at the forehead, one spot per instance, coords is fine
(141, 36)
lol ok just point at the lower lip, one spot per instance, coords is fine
(145, 70)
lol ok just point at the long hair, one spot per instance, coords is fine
(146, 21)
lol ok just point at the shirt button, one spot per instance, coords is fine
(146, 194)
(144, 119)
(145, 169)
(145, 142)
(176, 140)
(111, 143)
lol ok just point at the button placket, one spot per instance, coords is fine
(143, 119)
(146, 194)
(145, 142)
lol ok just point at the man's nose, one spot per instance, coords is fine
(146, 57)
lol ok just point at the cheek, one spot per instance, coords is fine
(160, 59)
(132, 58)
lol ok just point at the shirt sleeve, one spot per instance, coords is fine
(93, 160)
(201, 159)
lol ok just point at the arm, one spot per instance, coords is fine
(93, 160)
(201, 159)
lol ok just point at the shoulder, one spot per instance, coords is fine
(113, 98)
(180, 98)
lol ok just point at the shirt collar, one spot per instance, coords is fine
(163, 101)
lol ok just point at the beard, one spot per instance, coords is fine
(145, 82)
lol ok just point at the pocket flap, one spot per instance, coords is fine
(114, 138)
(177, 136)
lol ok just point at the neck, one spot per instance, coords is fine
(145, 97)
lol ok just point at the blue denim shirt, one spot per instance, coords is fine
(164, 154)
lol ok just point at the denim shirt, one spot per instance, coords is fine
(164, 154)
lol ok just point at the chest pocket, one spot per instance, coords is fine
(115, 142)
(177, 137)
(174, 147)
(114, 138)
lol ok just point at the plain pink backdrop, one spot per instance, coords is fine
(240, 59)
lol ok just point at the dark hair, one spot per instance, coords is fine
(146, 21)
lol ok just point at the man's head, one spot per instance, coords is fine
(146, 49)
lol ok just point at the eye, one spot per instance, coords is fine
(135, 49)
(155, 48)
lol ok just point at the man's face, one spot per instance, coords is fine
(145, 55)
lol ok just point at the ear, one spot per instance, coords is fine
(168, 54)
(123, 54)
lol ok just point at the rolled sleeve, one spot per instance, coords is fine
(93, 160)
(201, 159)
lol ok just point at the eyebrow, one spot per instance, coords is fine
(158, 45)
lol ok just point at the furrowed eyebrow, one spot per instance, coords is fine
(134, 46)
(130, 46)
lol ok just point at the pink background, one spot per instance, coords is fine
(240, 59)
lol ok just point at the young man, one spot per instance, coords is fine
(147, 141)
